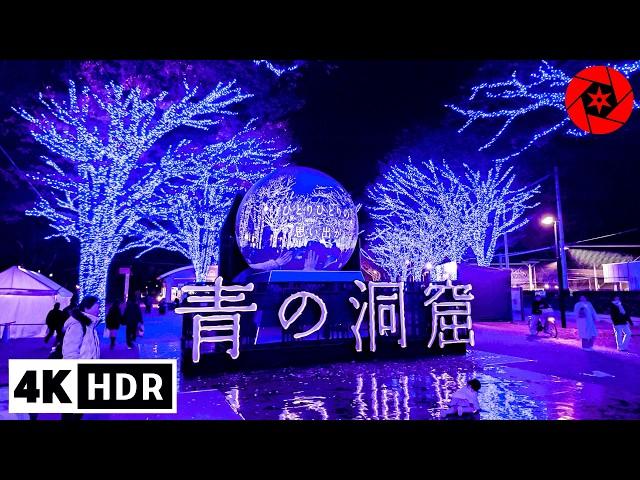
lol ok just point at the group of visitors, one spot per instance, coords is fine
(75, 330)
(74, 327)
(464, 402)
(586, 318)
(76, 336)
(130, 318)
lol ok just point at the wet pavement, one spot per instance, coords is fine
(523, 378)
(418, 390)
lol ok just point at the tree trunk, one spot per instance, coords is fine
(201, 271)
(274, 238)
(94, 269)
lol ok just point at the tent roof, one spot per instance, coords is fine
(176, 270)
(213, 272)
(20, 281)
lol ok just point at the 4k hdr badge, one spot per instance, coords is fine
(599, 100)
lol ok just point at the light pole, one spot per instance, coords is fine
(506, 245)
(564, 286)
(561, 266)
(126, 271)
(530, 265)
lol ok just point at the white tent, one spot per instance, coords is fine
(25, 299)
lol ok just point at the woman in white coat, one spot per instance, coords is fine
(586, 319)
(80, 337)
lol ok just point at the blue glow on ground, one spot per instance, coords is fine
(544, 379)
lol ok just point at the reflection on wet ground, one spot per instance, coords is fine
(513, 388)
(416, 390)
(408, 389)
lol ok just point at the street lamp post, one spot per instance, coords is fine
(561, 266)
(506, 244)
(530, 277)
(126, 271)
(564, 285)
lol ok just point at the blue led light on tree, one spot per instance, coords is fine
(101, 175)
(507, 101)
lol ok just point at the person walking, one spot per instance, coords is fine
(55, 320)
(147, 304)
(622, 323)
(80, 339)
(586, 319)
(113, 321)
(132, 317)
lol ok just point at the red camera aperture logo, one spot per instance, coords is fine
(599, 100)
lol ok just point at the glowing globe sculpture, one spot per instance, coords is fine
(297, 218)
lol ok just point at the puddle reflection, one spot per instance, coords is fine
(412, 390)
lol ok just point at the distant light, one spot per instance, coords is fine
(557, 287)
(77, 287)
(38, 271)
(546, 286)
(50, 275)
(548, 220)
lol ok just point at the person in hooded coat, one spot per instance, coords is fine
(80, 336)
(80, 339)
(586, 318)
(132, 317)
(113, 321)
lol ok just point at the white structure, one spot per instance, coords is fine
(174, 280)
(25, 299)
(444, 271)
(626, 274)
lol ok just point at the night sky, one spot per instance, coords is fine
(352, 118)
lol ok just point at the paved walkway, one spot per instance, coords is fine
(564, 356)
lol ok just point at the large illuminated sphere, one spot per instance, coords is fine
(297, 218)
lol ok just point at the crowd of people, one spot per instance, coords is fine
(76, 336)
(74, 326)
(464, 403)
(129, 316)
(586, 320)
(75, 329)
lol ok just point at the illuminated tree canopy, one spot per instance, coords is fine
(187, 211)
(425, 213)
(100, 179)
(505, 102)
